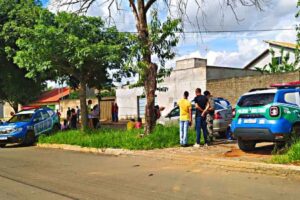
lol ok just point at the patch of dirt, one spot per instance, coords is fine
(234, 153)
(260, 153)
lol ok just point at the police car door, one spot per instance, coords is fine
(48, 122)
(38, 123)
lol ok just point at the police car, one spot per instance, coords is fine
(26, 125)
(267, 115)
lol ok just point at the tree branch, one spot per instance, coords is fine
(149, 4)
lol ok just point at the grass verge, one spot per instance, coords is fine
(292, 155)
(162, 137)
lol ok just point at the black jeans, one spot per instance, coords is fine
(95, 122)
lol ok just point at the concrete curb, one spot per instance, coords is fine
(230, 165)
(105, 151)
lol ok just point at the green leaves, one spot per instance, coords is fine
(15, 88)
(67, 45)
(281, 63)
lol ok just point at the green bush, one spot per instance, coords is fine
(291, 155)
(162, 137)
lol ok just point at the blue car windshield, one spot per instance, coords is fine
(21, 118)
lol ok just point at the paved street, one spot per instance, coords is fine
(35, 173)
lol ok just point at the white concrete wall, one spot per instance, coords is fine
(7, 109)
(188, 75)
(127, 102)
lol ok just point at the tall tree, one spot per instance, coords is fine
(15, 88)
(140, 9)
(78, 48)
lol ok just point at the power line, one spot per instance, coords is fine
(226, 31)
(240, 31)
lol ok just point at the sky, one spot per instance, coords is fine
(231, 49)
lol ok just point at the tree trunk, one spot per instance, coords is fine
(151, 71)
(14, 105)
(150, 88)
(83, 107)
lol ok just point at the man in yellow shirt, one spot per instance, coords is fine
(185, 108)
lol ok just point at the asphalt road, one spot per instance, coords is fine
(34, 173)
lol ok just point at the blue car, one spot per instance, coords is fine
(25, 126)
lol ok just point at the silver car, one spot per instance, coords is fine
(222, 117)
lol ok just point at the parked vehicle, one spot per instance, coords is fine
(26, 125)
(222, 118)
(267, 115)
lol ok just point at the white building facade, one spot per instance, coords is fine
(188, 75)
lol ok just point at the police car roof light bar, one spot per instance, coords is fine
(294, 84)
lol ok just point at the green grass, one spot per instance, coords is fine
(289, 156)
(162, 137)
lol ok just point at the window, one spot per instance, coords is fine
(277, 60)
(223, 102)
(219, 106)
(174, 112)
(38, 117)
(256, 100)
(292, 97)
(20, 118)
(45, 115)
(50, 112)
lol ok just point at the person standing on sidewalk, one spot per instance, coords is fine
(210, 116)
(185, 108)
(201, 105)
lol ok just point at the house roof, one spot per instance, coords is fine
(255, 60)
(54, 95)
(265, 53)
(282, 44)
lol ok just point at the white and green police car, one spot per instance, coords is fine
(267, 115)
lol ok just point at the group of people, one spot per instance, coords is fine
(132, 124)
(72, 119)
(205, 108)
(73, 116)
(93, 115)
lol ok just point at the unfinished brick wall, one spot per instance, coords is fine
(233, 88)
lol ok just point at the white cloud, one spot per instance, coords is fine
(247, 50)
(218, 16)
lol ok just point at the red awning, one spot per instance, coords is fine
(54, 95)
